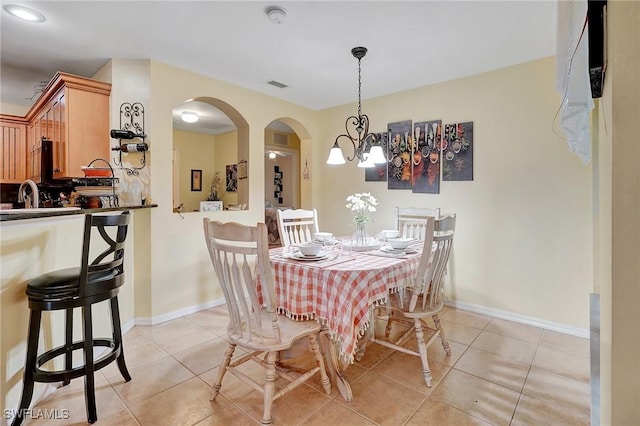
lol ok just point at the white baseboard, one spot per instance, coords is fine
(510, 316)
(176, 314)
(522, 319)
(128, 325)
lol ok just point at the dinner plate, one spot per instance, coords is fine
(300, 256)
(388, 249)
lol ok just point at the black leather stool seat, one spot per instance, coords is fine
(79, 287)
(62, 284)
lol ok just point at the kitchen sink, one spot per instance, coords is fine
(39, 210)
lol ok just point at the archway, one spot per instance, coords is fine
(215, 145)
(286, 172)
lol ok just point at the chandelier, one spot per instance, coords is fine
(365, 145)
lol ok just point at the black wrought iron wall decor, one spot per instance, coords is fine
(132, 131)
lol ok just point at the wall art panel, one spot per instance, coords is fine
(457, 152)
(399, 155)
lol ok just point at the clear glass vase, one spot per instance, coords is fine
(360, 237)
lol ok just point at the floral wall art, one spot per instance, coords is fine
(399, 155)
(457, 152)
(422, 154)
(426, 157)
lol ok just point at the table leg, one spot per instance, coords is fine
(336, 371)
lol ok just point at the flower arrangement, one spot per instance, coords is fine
(215, 187)
(361, 206)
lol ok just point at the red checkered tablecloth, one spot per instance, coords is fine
(339, 294)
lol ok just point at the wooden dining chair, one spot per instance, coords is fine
(240, 257)
(297, 226)
(423, 297)
(410, 221)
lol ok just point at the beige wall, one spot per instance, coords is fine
(227, 154)
(619, 268)
(181, 273)
(195, 151)
(13, 109)
(524, 234)
(529, 201)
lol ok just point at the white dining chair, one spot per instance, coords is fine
(240, 257)
(423, 297)
(297, 226)
(410, 221)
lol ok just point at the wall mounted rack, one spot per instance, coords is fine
(131, 128)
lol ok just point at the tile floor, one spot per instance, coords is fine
(499, 373)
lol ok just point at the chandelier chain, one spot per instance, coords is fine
(359, 91)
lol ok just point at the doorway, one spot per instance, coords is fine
(282, 166)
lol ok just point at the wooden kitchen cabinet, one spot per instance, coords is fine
(13, 149)
(73, 113)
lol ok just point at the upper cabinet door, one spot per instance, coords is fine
(73, 113)
(13, 151)
(58, 135)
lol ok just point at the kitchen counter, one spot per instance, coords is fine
(70, 212)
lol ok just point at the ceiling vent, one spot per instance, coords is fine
(280, 139)
(277, 84)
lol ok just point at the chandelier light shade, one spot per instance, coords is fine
(377, 155)
(189, 117)
(365, 145)
(335, 155)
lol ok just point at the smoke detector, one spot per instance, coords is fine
(276, 14)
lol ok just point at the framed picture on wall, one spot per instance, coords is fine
(196, 180)
(242, 169)
(232, 178)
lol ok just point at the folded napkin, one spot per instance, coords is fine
(401, 255)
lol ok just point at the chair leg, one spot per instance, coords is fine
(223, 369)
(422, 349)
(89, 379)
(29, 366)
(324, 378)
(68, 357)
(117, 337)
(269, 386)
(445, 342)
(387, 330)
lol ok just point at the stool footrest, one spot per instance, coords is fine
(49, 376)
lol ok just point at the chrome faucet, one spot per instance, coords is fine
(30, 201)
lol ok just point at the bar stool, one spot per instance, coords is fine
(79, 287)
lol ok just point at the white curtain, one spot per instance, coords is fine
(573, 76)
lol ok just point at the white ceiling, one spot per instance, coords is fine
(411, 43)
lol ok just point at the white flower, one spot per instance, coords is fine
(361, 206)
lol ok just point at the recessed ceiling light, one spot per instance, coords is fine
(189, 117)
(272, 155)
(23, 13)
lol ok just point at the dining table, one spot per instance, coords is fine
(339, 289)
